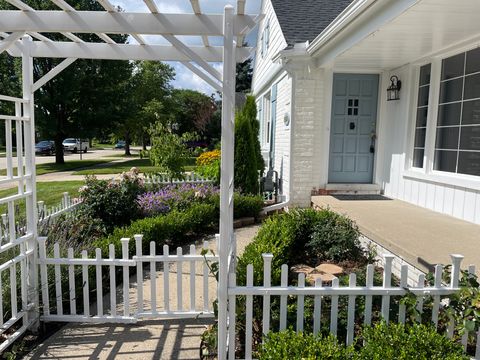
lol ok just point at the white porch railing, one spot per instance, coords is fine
(319, 292)
(68, 277)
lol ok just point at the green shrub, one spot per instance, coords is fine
(173, 229)
(246, 168)
(243, 205)
(290, 345)
(113, 202)
(284, 236)
(405, 342)
(334, 238)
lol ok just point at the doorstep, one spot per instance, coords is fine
(421, 237)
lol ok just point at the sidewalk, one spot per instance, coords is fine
(152, 339)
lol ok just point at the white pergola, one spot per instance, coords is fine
(23, 35)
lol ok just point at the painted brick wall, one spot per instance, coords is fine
(307, 135)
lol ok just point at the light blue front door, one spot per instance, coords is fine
(352, 131)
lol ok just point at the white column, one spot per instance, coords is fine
(31, 200)
(226, 181)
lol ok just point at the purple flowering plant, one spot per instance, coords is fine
(174, 196)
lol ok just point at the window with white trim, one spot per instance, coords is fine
(421, 116)
(457, 140)
(267, 119)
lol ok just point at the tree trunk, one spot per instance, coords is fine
(59, 159)
(127, 144)
(59, 135)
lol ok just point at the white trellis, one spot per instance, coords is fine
(22, 33)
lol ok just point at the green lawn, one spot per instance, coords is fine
(49, 192)
(68, 166)
(143, 165)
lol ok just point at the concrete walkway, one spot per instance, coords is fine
(420, 236)
(152, 339)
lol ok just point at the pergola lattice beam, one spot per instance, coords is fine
(9, 40)
(193, 56)
(121, 23)
(151, 6)
(62, 4)
(87, 50)
(203, 76)
(52, 73)
(240, 11)
(197, 10)
(107, 5)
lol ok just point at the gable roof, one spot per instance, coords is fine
(304, 20)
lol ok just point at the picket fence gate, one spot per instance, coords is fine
(334, 291)
(64, 304)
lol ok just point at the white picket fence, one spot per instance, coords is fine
(178, 270)
(46, 214)
(163, 179)
(320, 291)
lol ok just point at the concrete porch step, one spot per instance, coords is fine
(351, 189)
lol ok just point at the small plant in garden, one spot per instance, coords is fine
(169, 151)
(405, 342)
(208, 165)
(299, 346)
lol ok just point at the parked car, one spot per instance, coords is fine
(74, 145)
(45, 147)
(120, 145)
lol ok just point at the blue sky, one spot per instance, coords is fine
(184, 78)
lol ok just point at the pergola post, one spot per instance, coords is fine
(226, 180)
(30, 182)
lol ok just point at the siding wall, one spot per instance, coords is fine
(282, 133)
(456, 201)
(264, 68)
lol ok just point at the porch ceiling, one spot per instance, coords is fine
(428, 27)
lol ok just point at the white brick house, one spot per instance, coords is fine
(321, 76)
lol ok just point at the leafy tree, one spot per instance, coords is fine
(192, 110)
(85, 98)
(169, 151)
(244, 76)
(246, 175)
(151, 93)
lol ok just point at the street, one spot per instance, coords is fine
(90, 155)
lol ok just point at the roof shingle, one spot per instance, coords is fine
(304, 20)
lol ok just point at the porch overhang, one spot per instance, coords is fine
(385, 35)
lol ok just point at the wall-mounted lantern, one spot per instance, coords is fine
(393, 91)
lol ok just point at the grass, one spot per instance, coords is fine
(67, 166)
(49, 192)
(101, 146)
(143, 165)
